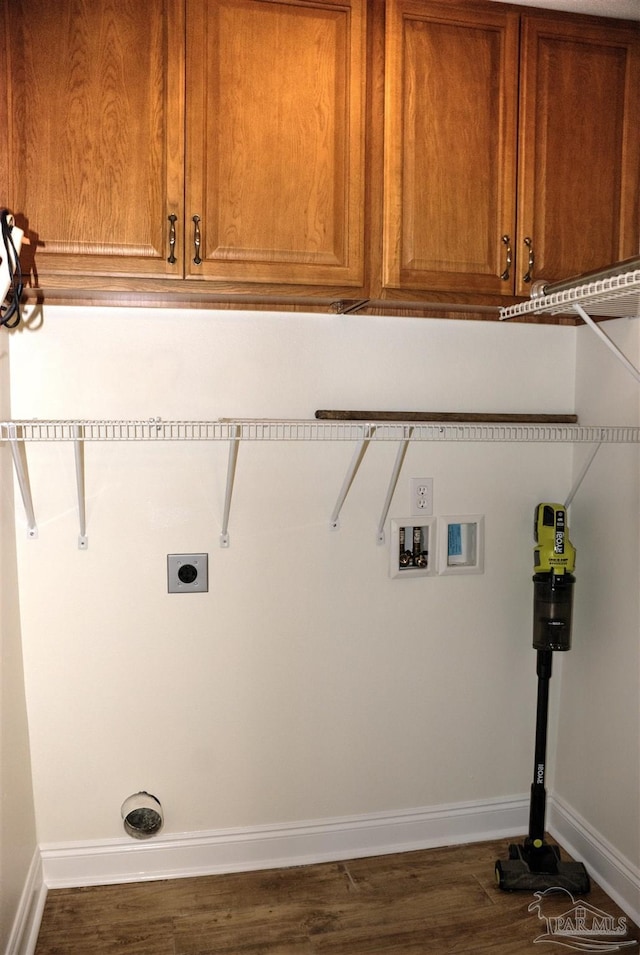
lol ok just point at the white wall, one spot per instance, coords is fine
(306, 684)
(625, 9)
(17, 819)
(598, 759)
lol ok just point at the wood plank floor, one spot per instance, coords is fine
(436, 901)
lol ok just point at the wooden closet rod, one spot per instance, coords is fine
(450, 417)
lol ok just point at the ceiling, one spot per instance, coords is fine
(625, 9)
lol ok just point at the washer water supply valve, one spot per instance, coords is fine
(417, 556)
(412, 549)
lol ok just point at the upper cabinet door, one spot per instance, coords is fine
(95, 132)
(275, 141)
(451, 77)
(580, 147)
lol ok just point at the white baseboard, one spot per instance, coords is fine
(263, 847)
(26, 925)
(619, 877)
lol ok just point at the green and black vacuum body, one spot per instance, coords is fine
(534, 865)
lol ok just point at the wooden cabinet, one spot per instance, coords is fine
(485, 191)
(297, 152)
(94, 139)
(275, 141)
(451, 78)
(579, 156)
(272, 185)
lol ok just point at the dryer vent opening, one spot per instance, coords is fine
(142, 815)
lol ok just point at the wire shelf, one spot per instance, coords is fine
(260, 429)
(617, 296)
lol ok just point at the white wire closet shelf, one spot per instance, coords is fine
(615, 296)
(610, 294)
(302, 429)
(79, 432)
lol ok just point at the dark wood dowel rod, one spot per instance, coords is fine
(450, 417)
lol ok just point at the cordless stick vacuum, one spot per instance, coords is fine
(536, 865)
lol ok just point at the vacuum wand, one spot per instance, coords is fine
(535, 865)
(537, 805)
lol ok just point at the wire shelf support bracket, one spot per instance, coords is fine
(395, 474)
(358, 455)
(582, 473)
(78, 447)
(604, 338)
(613, 294)
(18, 453)
(231, 473)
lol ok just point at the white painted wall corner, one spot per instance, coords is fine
(619, 877)
(26, 925)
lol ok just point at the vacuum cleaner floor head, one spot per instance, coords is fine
(519, 873)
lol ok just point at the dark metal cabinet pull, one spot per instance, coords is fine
(505, 275)
(528, 275)
(172, 239)
(196, 240)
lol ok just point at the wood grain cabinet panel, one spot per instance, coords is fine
(275, 140)
(403, 152)
(450, 146)
(512, 147)
(95, 138)
(578, 185)
(272, 96)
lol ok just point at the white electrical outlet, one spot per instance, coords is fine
(421, 496)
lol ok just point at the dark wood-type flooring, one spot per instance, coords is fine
(436, 901)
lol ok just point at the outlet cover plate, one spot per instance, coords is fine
(187, 573)
(421, 491)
